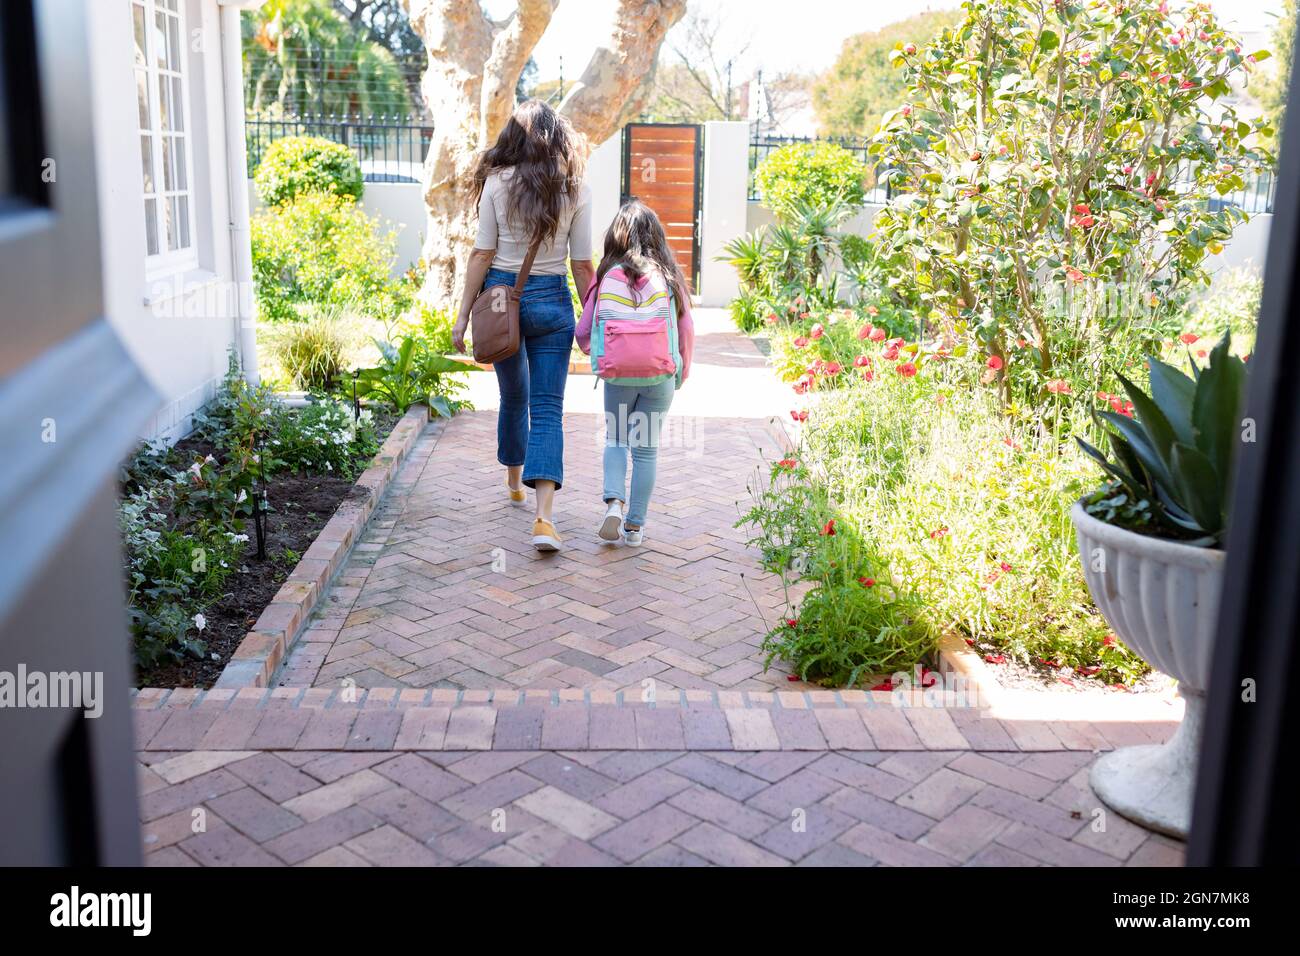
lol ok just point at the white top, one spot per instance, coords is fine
(572, 240)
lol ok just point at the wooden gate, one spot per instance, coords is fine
(661, 167)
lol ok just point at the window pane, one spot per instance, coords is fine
(169, 180)
(146, 162)
(164, 104)
(137, 21)
(169, 4)
(174, 43)
(142, 96)
(160, 40)
(168, 224)
(151, 226)
(183, 220)
(178, 105)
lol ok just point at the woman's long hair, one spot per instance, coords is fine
(548, 158)
(637, 243)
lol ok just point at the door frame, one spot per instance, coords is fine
(697, 198)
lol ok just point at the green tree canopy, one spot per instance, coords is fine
(1272, 92)
(302, 56)
(863, 85)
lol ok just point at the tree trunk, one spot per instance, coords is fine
(468, 85)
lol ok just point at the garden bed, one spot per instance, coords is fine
(301, 505)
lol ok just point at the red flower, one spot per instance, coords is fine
(800, 341)
(907, 369)
(1073, 274)
(868, 375)
(890, 352)
(1082, 218)
(939, 532)
(1005, 567)
(877, 335)
(1059, 386)
(771, 318)
(792, 622)
(1189, 338)
(887, 684)
(788, 463)
(864, 331)
(832, 368)
(994, 362)
(799, 414)
(909, 49)
(817, 331)
(872, 311)
(828, 529)
(1109, 640)
(995, 658)
(867, 582)
(861, 361)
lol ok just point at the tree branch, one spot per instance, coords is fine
(513, 42)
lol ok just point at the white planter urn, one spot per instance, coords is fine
(1162, 599)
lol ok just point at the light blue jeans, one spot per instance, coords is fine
(634, 416)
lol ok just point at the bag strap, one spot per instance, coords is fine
(522, 278)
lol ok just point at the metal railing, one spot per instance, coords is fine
(391, 149)
(1256, 197)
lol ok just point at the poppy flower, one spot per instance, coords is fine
(799, 414)
(832, 368)
(865, 331)
(1005, 567)
(800, 342)
(994, 362)
(868, 375)
(890, 352)
(877, 335)
(939, 532)
(1059, 386)
(867, 582)
(1073, 274)
(817, 331)
(1189, 338)
(907, 369)
(828, 529)
(1109, 640)
(792, 622)
(771, 318)
(804, 315)
(788, 463)
(861, 361)
(872, 311)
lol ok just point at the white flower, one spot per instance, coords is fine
(197, 469)
(243, 496)
(209, 460)
(200, 621)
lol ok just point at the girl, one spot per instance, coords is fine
(532, 200)
(638, 288)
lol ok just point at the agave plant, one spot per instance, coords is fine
(1173, 459)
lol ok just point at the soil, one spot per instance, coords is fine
(1013, 675)
(301, 505)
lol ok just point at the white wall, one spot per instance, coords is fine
(605, 177)
(724, 214)
(177, 329)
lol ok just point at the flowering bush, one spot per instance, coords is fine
(1045, 141)
(809, 174)
(326, 437)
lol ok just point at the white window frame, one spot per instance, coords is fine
(184, 258)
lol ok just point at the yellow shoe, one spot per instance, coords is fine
(545, 537)
(517, 495)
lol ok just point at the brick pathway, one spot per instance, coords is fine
(304, 777)
(446, 590)
(461, 700)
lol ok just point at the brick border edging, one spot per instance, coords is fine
(282, 621)
(394, 719)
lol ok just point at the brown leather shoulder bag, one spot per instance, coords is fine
(494, 317)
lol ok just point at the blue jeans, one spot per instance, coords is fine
(634, 416)
(530, 429)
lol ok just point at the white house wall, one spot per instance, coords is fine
(177, 329)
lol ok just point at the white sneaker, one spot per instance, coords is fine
(612, 522)
(633, 538)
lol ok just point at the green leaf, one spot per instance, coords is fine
(1173, 391)
(1217, 406)
(1048, 42)
(440, 405)
(1153, 420)
(1136, 435)
(1199, 487)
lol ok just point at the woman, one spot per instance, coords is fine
(529, 190)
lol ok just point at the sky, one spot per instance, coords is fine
(801, 35)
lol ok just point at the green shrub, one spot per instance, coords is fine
(306, 164)
(813, 174)
(325, 436)
(413, 371)
(321, 248)
(313, 353)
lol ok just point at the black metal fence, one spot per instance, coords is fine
(1256, 197)
(391, 149)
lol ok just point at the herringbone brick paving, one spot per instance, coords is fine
(645, 807)
(446, 591)
(505, 721)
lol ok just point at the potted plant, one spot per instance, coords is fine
(1151, 540)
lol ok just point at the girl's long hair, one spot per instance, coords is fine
(636, 242)
(548, 157)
